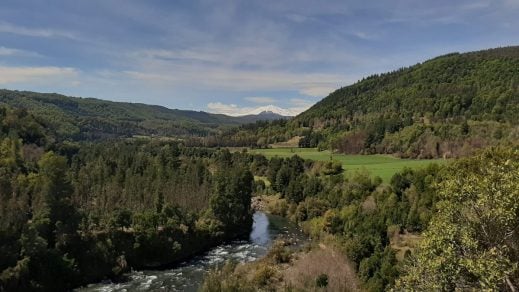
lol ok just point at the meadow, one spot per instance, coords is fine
(380, 165)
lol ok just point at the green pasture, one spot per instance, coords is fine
(378, 165)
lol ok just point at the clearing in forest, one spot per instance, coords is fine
(380, 165)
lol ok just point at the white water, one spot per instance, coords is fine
(189, 275)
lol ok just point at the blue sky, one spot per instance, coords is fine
(233, 56)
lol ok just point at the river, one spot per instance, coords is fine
(189, 275)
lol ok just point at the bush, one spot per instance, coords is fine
(321, 281)
(279, 253)
(263, 274)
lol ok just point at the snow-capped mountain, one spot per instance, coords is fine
(270, 110)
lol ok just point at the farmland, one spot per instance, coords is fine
(378, 165)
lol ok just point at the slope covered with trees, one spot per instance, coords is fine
(83, 212)
(90, 118)
(445, 106)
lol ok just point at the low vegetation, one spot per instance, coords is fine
(383, 166)
(315, 268)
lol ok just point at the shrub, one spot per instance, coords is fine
(321, 280)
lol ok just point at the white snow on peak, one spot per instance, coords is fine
(270, 108)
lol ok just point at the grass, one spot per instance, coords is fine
(383, 166)
(301, 275)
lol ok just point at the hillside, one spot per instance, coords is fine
(444, 106)
(90, 118)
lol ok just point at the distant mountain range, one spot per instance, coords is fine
(89, 118)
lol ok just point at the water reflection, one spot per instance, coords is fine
(189, 275)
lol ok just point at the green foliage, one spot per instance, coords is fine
(443, 107)
(230, 202)
(358, 210)
(88, 118)
(384, 166)
(107, 207)
(472, 241)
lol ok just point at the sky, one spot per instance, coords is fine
(233, 57)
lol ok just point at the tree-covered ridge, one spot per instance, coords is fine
(444, 106)
(90, 118)
(83, 212)
(478, 86)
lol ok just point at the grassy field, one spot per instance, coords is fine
(378, 165)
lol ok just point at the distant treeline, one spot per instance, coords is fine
(87, 119)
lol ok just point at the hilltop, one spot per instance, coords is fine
(445, 106)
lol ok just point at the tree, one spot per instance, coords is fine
(473, 240)
(54, 196)
(230, 202)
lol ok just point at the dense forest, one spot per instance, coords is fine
(446, 106)
(81, 203)
(94, 119)
(441, 228)
(84, 212)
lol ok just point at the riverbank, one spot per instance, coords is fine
(258, 203)
(188, 275)
(316, 267)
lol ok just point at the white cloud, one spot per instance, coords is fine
(10, 52)
(315, 85)
(228, 109)
(42, 75)
(260, 99)
(299, 101)
(186, 55)
(35, 32)
(235, 110)
(318, 90)
(364, 35)
(297, 105)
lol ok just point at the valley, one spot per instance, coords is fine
(373, 185)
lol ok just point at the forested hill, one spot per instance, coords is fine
(442, 106)
(90, 118)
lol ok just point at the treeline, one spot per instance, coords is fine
(77, 213)
(440, 228)
(448, 106)
(87, 119)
